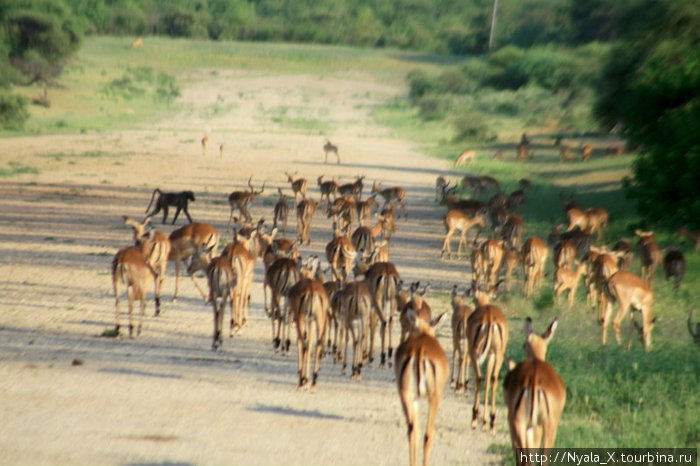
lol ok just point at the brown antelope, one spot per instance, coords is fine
(649, 253)
(692, 235)
(626, 253)
(523, 152)
(305, 212)
(471, 207)
(492, 251)
(205, 143)
(328, 188)
(222, 280)
(566, 279)
(364, 210)
(383, 279)
(487, 332)
(281, 212)
(129, 267)
(343, 211)
(240, 254)
(589, 278)
(565, 154)
(478, 263)
(535, 396)
(630, 290)
(468, 155)
(456, 220)
(460, 315)
(155, 247)
(355, 311)
(363, 237)
(604, 266)
(390, 194)
(593, 220)
(137, 43)
(512, 231)
(586, 152)
(308, 307)
(387, 218)
(328, 147)
(241, 200)
(421, 371)
(534, 254)
(379, 253)
(597, 220)
(299, 185)
(341, 254)
(279, 278)
(418, 305)
(184, 244)
(222, 148)
(353, 189)
(564, 254)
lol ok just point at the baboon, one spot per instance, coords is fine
(166, 200)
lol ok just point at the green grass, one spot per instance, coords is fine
(17, 168)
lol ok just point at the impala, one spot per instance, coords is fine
(511, 261)
(535, 396)
(390, 194)
(343, 211)
(308, 307)
(566, 279)
(355, 310)
(185, 242)
(382, 279)
(421, 371)
(417, 304)
(630, 290)
(564, 254)
(329, 147)
(512, 231)
(534, 254)
(487, 332)
(649, 253)
(241, 200)
(341, 254)
(305, 212)
(155, 247)
(460, 314)
(328, 188)
(363, 238)
(281, 212)
(492, 251)
(468, 155)
(353, 189)
(299, 185)
(280, 277)
(456, 220)
(242, 258)
(364, 210)
(130, 268)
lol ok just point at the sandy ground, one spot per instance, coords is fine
(69, 396)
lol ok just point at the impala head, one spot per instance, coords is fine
(419, 325)
(536, 345)
(201, 259)
(643, 234)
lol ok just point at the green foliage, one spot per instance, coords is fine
(143, 81)
(13, 110)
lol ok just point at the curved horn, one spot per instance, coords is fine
(250, 185)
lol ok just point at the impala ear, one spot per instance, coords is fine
(527, 327)
(550, 330)
(511, 364)
(436, 321)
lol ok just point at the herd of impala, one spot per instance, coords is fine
(365, 294)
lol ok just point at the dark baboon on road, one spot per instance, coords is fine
(167, 200)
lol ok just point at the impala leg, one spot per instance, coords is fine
(177, 279)
(490, 386)
(477, 387)
(319, 354)
(410, 411)
(433, 405)
(116, 303)
(618, 320)
(130, 292)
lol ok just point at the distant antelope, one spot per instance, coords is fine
(130, 268)
(299, 185)
(328, 188)
(205, 143)
(586, 152)
(222, 147)
(241, 200)
(328, 147)
(421, 371)
(137, 43)
(468, 155)
(565, 154)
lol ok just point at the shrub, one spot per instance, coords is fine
(13, 110)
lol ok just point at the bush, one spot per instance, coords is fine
(472, 127)
(13, 111)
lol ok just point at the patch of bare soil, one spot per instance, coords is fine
(70, 396)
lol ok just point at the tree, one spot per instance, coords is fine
(650, 90)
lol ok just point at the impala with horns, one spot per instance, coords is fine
(535, 396)
(327, 188)
(353, 189)
(240, 200)
(421, 372)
